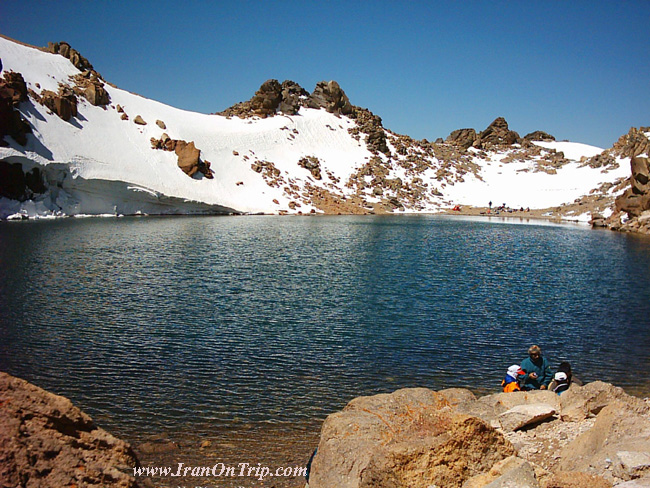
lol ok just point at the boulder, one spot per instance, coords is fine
(617, 447)
(462, 138)
(580, 402)
(267, 99)
(161, 124)
(411, 437)
(64, 103)
(293, 96)
(96, 94)
(496, 134)
(490, 407)
(330, 96)
(188, 157)
(139, 120)
(640, 175)
(523, 476)
(46, 441)
(638, 483)
(524, 415)
(13, 88)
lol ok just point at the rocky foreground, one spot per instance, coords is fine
(45, 441)
(590, 437)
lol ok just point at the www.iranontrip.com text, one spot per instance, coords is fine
(220, 470)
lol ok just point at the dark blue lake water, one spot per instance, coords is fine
(194, 324)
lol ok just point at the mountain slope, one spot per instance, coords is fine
(97, 149)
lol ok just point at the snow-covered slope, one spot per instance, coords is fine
(100, 163)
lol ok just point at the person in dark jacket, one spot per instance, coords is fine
(538, 371)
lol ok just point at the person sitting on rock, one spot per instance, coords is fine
(511, 382)
(560, 382)
(538, 372)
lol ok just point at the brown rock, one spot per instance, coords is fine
(188, 157)
(96, 94)
(161, 124)
(579, 402)
(497, 133)
(46, 441)
(13, 87)
(139, 120)
(462, 138)
(330, 96)
(411, 437)
(64, 104)
(617, 446)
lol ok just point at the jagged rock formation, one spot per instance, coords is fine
(63, 103)
(497, 134)
(464, 138)
(64, 49)
(189, 157)
(46, 441)
(634, 203)
(13, 91)
(331, 97)
(287, 98)
(89, 85)
(591, 436)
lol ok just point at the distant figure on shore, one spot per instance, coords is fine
(511, 382)
(538, 372)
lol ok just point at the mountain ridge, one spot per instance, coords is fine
(282, 151)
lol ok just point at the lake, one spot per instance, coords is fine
(199, 324)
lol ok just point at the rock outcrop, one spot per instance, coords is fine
(13, 91)
(635, 201)
(330, 96)
(496, 134)
(462, 138)
(189, 156)
(46, 441)
(411, 437)
(64, 49)
(591, 436)
(63, 103)
(539, 135)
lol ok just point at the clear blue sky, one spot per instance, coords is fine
(579, 70)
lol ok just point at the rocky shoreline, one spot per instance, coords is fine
(592, 436)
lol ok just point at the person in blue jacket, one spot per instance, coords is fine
(538, 372)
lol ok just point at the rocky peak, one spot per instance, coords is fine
(498, 133)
